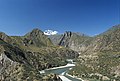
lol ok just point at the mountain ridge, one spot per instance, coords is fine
(30, 54)
(96, 57)
(101, 57)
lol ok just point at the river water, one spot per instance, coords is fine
(62, 72)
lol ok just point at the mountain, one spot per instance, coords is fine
(71, 40)
(99, 55)
(101, 58)
(37, 38)
(107, 41)
(55, 38)
(97, 58)
(22, 57)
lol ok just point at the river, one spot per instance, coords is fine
(62, 72)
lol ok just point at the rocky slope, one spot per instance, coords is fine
(101, 59)
(55, 38)
(22, 57)
(37, 38)
(99, 55)
(14, 65)
(71, 40)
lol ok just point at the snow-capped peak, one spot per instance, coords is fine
(50, 32)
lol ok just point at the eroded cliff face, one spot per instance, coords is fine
(72, 40)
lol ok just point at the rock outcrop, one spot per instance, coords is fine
(37, 38)
(71, 40)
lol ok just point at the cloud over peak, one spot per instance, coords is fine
(50, 32)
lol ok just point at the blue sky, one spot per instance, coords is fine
(17, 17)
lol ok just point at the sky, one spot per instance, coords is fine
(91, 17)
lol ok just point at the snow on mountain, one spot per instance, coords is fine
(50, 32)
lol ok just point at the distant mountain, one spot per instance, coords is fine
(36, 37)
(70, 40)
(55, 38)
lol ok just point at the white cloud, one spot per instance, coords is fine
(50, 32)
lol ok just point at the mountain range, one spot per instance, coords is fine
(97, 58)
(22, 57)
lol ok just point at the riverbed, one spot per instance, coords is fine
(62, 72)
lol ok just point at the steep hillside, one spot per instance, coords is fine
(34, 38)
(5, 37)
(101, 59)
(37, 38)
(23, 56)
(71, 40)
(14, 65)
(55, 38)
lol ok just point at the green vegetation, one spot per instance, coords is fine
(101, 60)
(103, 65)
(22, 57)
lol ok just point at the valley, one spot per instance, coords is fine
(96, 58)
